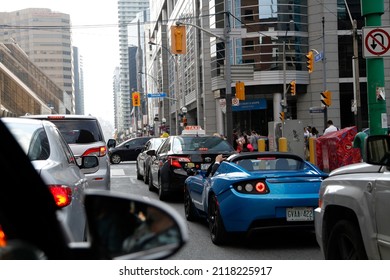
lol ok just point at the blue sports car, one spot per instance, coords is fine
(253, 191)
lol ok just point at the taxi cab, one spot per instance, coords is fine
(193, 149)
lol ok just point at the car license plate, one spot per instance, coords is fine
(299, 214)
(205, 166)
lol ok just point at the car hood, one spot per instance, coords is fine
(356, 168)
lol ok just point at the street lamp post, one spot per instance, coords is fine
(177, 86)
(228, 88)
(284, 107)
(157, 84)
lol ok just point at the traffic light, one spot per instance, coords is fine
(184, 121)
(326, 98)
(136, 98)
(178, 39)
(281, 116)
(240, 90)
(293, 88)
(310, 61)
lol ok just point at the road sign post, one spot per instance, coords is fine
(377, 44)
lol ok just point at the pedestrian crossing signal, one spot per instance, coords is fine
(178, 39)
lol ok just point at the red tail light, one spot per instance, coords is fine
(98, 151)
(252, 187)
(3, 240)
(176, 161)
(62, 195)
(261, 187)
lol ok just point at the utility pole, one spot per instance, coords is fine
(285, 108)
(228, 90)
(355, 69)
(138, 111)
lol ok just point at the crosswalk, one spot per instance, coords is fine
(120, 173)
(117, 172)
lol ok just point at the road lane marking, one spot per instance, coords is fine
(117, 172)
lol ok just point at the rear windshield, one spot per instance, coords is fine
(79, 131)
(270, 163)
(214, 144)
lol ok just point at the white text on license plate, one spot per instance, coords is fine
(299, 214)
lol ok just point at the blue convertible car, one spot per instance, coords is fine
(252, 191)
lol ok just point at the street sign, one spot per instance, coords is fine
(316, 109)
(376, 41)
(157, 95)
(318, 57)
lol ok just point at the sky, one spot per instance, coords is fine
(95, 33)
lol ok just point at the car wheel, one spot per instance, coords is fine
(150, 183)
(115, 158)
(139, 176)
(216, 227)
(146, 175)
(345, 242)
(162, 194)
(189, 207)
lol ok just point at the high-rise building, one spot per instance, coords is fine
(127, 12)
(45, 36)
(268, 43)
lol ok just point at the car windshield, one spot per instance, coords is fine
(79, 131)
(270, 163)
(211, 143)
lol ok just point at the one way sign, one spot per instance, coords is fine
(376, 41)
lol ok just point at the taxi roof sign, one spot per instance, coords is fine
(193, 130)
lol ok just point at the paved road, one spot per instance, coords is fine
(289, 245)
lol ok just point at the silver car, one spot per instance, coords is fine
(85, 137)
(53, 159)
(143, 159)
(352, 220)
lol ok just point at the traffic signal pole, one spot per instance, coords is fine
(324, 71)
(372, 11)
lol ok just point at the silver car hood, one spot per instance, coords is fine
(356, 168)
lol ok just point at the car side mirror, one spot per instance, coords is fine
(151, 152)
(378, 149)
(111, 143)
(89, 164)
(124, 226)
